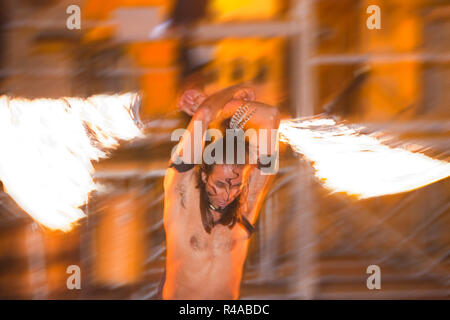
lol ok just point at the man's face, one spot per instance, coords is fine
(224, 184)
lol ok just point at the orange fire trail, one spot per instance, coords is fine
(46, 149)
(359, 164)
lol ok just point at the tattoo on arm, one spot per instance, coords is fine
(181, 190)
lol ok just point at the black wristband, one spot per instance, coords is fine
(182, 167)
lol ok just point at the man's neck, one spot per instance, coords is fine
(216, 213)
(216, 216)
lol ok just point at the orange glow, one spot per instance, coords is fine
(46, 148)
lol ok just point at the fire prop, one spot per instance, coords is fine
(46, 149)
(359, 164)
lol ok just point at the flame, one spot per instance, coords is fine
(359, 164)
(46, 149)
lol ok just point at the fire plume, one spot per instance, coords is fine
(346, 160)
(46, 149)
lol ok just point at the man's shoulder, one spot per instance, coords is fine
(174, 177)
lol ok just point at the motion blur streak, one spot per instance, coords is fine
(46, 149)
(359, 164)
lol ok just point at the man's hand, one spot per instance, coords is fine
(190, 100)
(244, 93)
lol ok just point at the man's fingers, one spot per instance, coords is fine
(189, 101)
(192, 94)
(251, 95)
(200, 99)
(245, 94)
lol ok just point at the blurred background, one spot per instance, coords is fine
(303, 56)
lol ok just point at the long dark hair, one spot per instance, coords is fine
(232, 213)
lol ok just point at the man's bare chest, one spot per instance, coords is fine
(187, 231)
(222, 239)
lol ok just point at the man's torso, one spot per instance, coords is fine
(199, 265)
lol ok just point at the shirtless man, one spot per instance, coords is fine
(210, 210)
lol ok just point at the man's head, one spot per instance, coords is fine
(223, 184)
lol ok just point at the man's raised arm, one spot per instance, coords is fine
(190, 148)
(267, 118)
